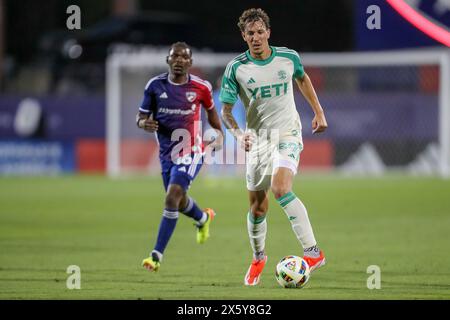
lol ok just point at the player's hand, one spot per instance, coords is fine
(247, 139)
(150, 125)
(319, 123)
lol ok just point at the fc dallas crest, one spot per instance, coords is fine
(190, 96)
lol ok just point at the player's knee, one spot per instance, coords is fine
(171, 202)
(280, 189)
(258, 209)
(183, 202)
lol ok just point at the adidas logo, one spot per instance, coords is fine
(292, 218)
(251, 80)
(182, 169)
(163, 95)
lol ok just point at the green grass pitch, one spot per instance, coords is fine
(106, 227)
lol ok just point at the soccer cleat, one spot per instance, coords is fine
(203, 231)
(151, 263)
(315, 263)
(254, 272)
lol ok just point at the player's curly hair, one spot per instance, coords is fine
(252, 15)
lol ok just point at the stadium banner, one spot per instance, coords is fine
(90, 156)
(36, 157)
(393, 116)
(63, 118)
(396, 29)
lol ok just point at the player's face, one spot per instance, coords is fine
(257, 37)
(179, 60)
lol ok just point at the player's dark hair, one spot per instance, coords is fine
(181, 44)
(252, 15)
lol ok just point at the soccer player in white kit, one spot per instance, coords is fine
(262, 78)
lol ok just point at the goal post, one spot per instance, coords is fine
(388, 111)
(436, 57)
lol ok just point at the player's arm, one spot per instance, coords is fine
(228, 96)
(246, 139)
(146, 122)
(144, 118)
(214, 122)
(319, 123)
(230, 121)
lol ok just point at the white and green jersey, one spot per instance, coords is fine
(265, 88)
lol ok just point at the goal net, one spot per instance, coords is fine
(388, 112)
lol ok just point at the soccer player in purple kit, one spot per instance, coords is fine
(171, 107)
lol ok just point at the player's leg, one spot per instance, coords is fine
(177, 182)
(167, 225)
(186, 175)
(292, 206)
(285, 169)
(256, 222)
(258, 183)
(257, 230)
(152, 263)
(189, 207)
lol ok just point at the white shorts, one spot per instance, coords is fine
(266, 156)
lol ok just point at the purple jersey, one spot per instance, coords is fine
(177, 106)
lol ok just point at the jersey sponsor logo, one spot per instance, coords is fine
(269, 91)
(175, 111)
(191, 96)
(163, 95)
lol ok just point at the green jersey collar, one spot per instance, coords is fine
(261, 62)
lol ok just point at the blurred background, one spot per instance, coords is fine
(68, 97)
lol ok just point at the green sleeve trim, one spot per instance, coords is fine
(230, 87)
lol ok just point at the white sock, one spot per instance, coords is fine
(298, 216)
(202, 220)
(257, 229)
(313, 252)
(158, 254)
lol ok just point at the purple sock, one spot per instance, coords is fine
(192, 210)
(166, 228)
